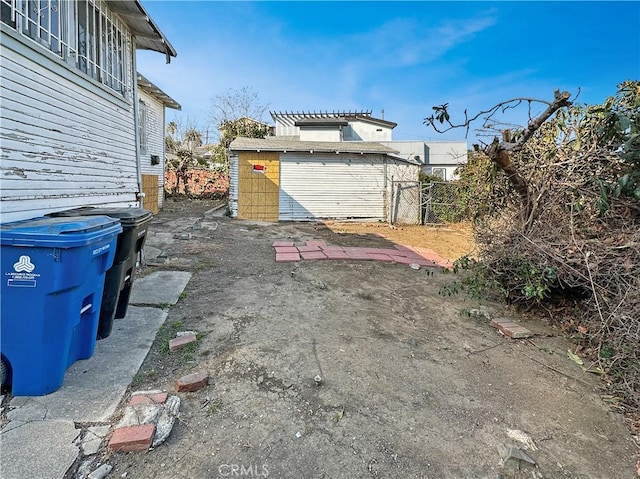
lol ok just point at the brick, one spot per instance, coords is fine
(192, 382)
(306, 249)
(180, 342)
(287, 257)
(143, 397)
(282, 243)
(400, 247)
(511, 328)
(401, 259)
(332, 248)
(312, 255)
(286, 249)
(132, 438)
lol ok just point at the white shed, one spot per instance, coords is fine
(68, 126)
(283, 179)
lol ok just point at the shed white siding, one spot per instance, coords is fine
(155, 121)
(66, 140)
(326, 186)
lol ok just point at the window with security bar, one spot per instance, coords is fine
(83, 33)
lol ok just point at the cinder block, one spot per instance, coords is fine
(192, 382)
(132, 438)
(181, 341)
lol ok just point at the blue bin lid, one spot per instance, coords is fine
(59, 232)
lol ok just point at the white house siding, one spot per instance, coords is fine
(447, 156)
(66, 140)
(409, 150)
(155, 141)
(364, 131)
(320, 133)
(331, 186)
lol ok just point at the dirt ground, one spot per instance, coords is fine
(348, 369)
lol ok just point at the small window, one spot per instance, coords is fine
(143, 131)
(440, 173)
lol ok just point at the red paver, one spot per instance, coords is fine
(286, 249)
(132, 438)
(282, 243)
(381, 257)
(355, 253)
(386, 251)
(287, 257)
(181, 341)
(309, 248)
(142, 397)
(312, 255)
(192, 382)
(401, 247)
(332, 248)
(511, 328)
(320, 243)
(336, 254)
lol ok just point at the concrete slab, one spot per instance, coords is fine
(159, 288)
(151, 253)
(93, 388)
(42, 449)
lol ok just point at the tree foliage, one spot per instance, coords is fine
(181, 144)
(570, 246)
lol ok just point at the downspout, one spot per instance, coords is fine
(136, 121)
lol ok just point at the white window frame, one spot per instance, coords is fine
(83, 33)
(439, 172)
(143, 130)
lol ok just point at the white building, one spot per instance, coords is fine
(69, 121)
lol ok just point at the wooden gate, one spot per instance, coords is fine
(150, 190)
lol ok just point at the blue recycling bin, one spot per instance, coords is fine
(53, 272)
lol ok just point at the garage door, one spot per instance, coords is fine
(324, 187)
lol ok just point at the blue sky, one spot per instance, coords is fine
(400, 57)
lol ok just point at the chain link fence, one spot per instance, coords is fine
(413, 202)
(440, 203)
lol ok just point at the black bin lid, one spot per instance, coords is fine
(127, 216)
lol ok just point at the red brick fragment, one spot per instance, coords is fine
(511, 328)
(132, 438)
(147, 398)
(286, 249)
(192, 382)
(181, 341)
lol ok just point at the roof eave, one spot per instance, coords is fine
(147, 33)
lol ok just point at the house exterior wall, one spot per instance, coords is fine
(409, 150)
(66, 140)
(155, 121)
(320, 134)
(445, 157)
(364, 131)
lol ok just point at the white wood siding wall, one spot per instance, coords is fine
(66, 141)
(155, 141)
(364, 131)
(331, 186)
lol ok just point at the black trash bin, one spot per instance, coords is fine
(119, 278)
